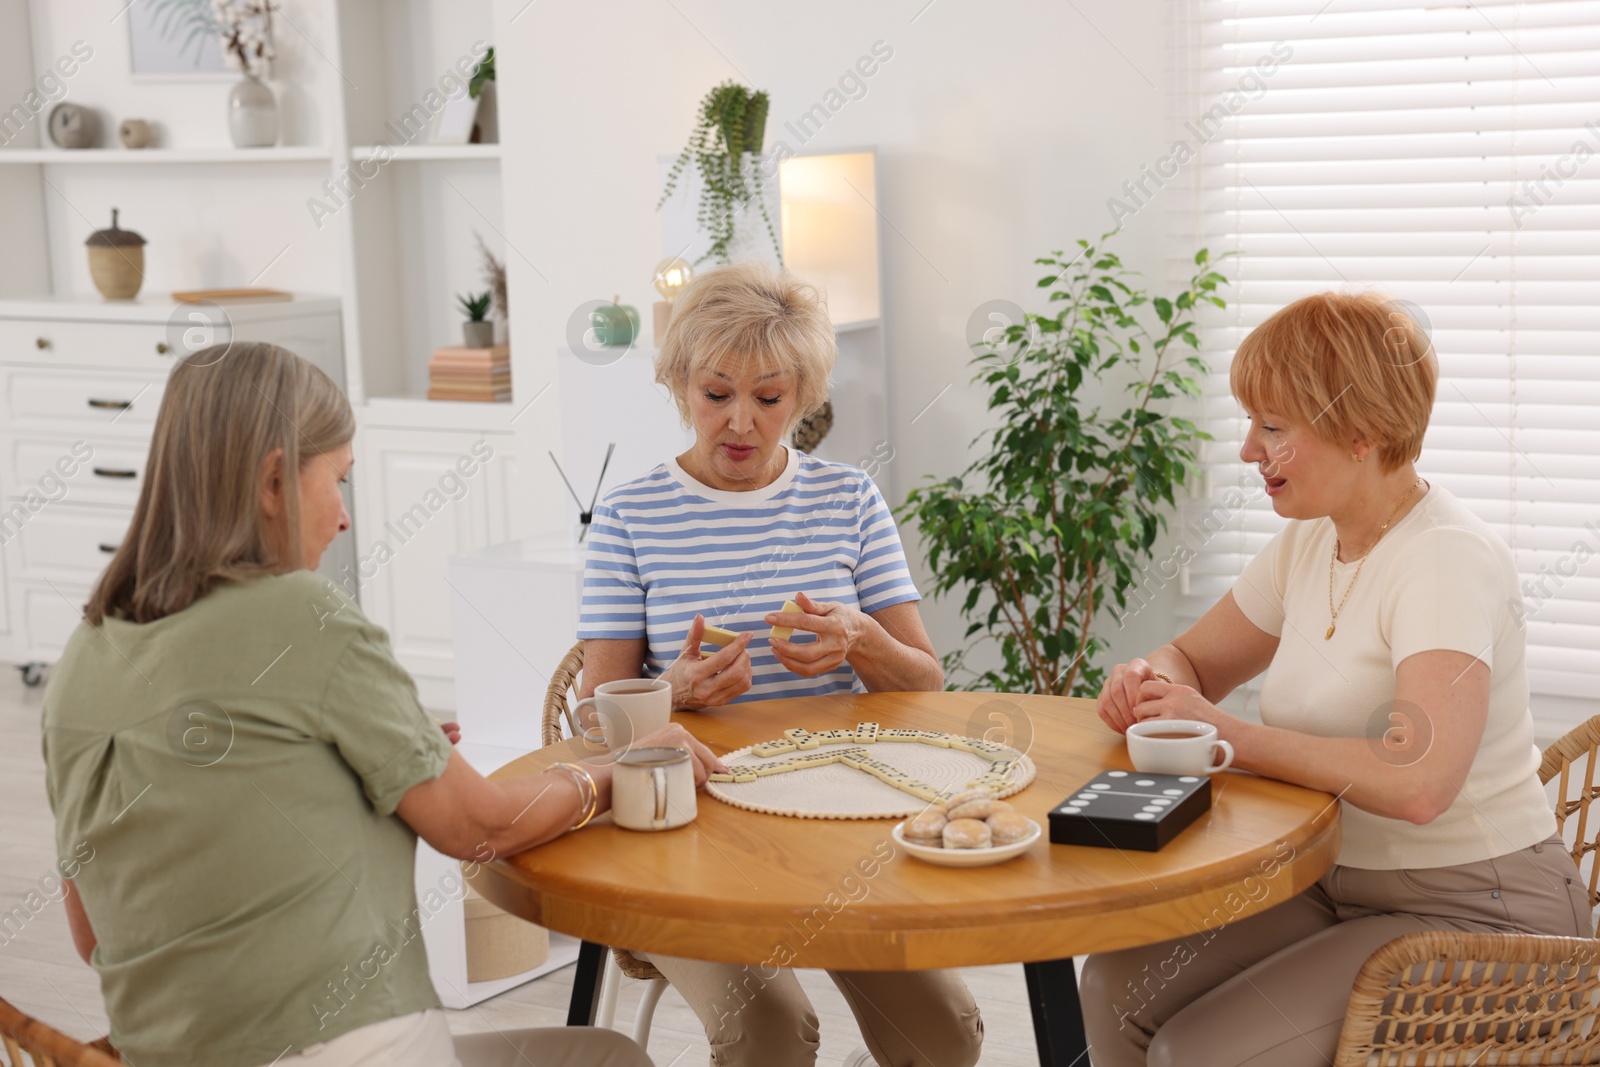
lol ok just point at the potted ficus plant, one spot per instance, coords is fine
(1055, 520)
(477, 331)
(723, 146)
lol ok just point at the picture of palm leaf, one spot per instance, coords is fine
(189, 19)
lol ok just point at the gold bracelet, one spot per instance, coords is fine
(588, 792)
(1163, 677)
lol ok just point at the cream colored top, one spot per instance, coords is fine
(1439, 579)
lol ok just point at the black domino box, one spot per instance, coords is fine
(1130, 809)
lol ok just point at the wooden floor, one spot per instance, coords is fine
(42, 975)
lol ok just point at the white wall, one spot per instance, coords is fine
(1001, 129)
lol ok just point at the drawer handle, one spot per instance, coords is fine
(42, 343)
(162, 348)
(108, 549)
(111, 405)
(111, 472)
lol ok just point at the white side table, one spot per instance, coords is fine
(442, 911)
(514, 611)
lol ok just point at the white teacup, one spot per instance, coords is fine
(629, 710)
(653, 789)
(1177, 746)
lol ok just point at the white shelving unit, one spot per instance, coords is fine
(395, 243)
(121, 157)
(388, 225)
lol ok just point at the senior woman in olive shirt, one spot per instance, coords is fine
(252, 768)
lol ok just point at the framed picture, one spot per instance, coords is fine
(170, 39)
(455, 120)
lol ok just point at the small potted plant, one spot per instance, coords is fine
(477, 331)
(481, 87)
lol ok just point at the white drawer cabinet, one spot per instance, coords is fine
(80, 385)
(68, 542)
(118, 345)
(81, 398)
(95, 468)
(48, 614)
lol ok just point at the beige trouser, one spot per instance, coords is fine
(1271, 990)
(760, 1017)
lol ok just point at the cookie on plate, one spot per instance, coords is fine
(981, 808)
(1008, 827)
(967, 833)
(925, 828)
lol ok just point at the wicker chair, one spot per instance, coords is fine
(20, 1033)
(1580, 742)
(564, 679)
(1446, 999)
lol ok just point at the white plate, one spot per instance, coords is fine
(966, 857)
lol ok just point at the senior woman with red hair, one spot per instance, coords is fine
(1383, 601)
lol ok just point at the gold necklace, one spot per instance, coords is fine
(1362, 562)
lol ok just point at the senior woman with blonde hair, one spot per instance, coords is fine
(250, 768)
(1387, 620)
(730, 530)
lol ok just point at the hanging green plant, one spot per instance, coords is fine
(724, 146)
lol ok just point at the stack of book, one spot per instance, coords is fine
(470, 374)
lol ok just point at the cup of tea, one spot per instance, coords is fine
(653, 789)
(1177, 746)
(628, 709)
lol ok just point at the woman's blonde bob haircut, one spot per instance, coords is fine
(198, 521)
(744, 317)
(1347, 366)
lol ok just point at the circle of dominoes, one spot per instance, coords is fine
(865, 773)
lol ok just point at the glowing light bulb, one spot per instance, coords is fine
(671, 276)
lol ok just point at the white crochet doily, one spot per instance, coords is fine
(838, 791)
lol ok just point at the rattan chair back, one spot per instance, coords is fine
(46, 1047)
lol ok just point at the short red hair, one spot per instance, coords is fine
(1344, 365)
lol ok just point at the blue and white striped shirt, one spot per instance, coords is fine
(664, 547)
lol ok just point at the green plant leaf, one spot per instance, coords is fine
(1057, 516)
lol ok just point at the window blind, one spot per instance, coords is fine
(1447, 155)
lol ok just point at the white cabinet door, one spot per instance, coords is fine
(422, 497)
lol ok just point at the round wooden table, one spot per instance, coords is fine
(741, 887)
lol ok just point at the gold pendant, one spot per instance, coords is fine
(1329, 635)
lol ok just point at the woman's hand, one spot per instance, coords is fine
(452, 731)
(675, 736)
(1166, 700)
(705, 683)
(838, 627)
(1121, 693)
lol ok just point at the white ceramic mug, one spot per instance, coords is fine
(1177, 746)
(629, 710)
(653, 789)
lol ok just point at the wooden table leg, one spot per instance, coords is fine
(586, 984)
(1057, 1014)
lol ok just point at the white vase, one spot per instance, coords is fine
(252, 114)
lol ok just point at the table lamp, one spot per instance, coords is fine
(671, 276)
